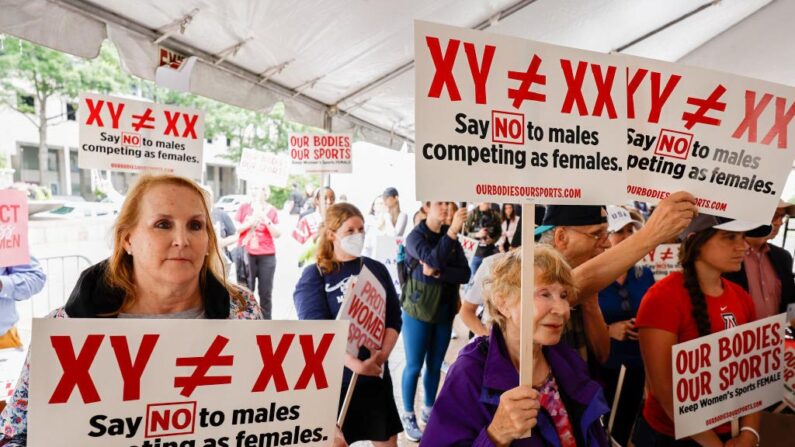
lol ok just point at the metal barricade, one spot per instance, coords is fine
(62, 275)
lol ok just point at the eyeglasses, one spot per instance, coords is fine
(600, 237)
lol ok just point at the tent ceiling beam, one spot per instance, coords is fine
(666, 26)
(408, 66)
(176, 26)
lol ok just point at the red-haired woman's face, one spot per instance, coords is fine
(170, 241)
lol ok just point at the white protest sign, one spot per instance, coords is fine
(500, 118)
(121, 134)
(470, 246)
(263, 168)
(663, 260)
(311, 153)
(728, 374)
(385, 252)
(365, 308)
(101, 382)
(14, 248)
(719, 136)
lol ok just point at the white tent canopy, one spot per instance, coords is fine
(348, 64)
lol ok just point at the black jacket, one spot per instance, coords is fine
(782, 264)
(92, 297)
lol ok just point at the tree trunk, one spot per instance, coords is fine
(43, 151)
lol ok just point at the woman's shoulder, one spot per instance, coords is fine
(673, 282)
(471, 360)
(248, 311)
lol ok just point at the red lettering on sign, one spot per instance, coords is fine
(658, 98)
(170, 419)
(604, 86)
(272, 362)
(705, 105)
(480, 72)
(673, 144)
(508, 127)
(443, 65)
(203, 364)
(781, 123)
(94, 112)
(143, 120)
(314, 361)
(171, 123)
(574, 87)
(75, 368)
(115, 114)
(190, 124)
(752, 113)
(131, 371)
(527, 78)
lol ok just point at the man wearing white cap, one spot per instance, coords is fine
(766, 272)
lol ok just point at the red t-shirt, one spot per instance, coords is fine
(667, 306)
(261, 243)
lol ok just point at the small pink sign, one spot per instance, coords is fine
(13, 228)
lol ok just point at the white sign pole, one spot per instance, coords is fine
(613, 410)
(528, 277)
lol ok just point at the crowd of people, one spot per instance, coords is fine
(596, 309)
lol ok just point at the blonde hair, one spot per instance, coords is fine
(336, 215)
(504, 281)
(119, 273)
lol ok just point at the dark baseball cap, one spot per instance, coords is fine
(390, 192)
(570, 216)
(706, 221)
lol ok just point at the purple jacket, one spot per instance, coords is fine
(483, 371)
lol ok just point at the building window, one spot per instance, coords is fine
(73, 161)
(52, 160)
(25, 103)
(30, 158)
(71, 112)
(228, 141)
(210, 173)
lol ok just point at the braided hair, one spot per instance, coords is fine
(688, 253)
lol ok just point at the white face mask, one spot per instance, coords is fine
(353, 244)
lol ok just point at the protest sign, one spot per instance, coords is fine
(728, 374)
(365, 308)
(502, 119)
(263, 168)
(100, 382)
(311, 153)
(663, 260)
(13, 228)
(470, 246)
(719, 136)
(122, 134)
(385, 252)
(789, 374)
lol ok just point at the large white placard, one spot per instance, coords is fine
(728, 374)
(101, 382)
(663, 260)
(722, 137)
(321, 153)
(121, 134)
(501, 119)
(385, 252)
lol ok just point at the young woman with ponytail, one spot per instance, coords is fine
(373, 414)
(686, 305)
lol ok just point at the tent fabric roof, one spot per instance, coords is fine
(348, 64)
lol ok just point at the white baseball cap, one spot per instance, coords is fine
(618, 218)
